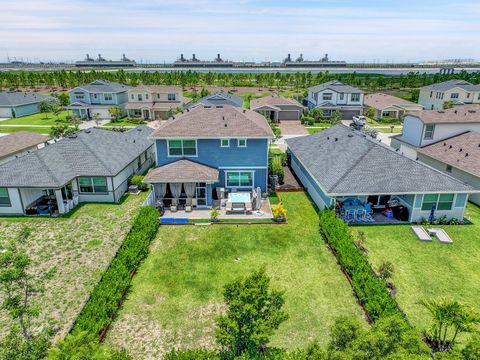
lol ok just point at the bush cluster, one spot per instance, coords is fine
(137, 180)
(369, 289)
(107, 295)
(389, 121)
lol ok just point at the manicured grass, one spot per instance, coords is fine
(35, 119)
(78, 247)
(312, 131)
(396, 130)
(14, 129)
(121, 123)
(177, 292)
(429, 270)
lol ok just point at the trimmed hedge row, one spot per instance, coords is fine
(369, 289)
(109, 292)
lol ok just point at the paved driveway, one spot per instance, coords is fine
(292, 127)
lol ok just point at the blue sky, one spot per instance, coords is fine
(159, 30)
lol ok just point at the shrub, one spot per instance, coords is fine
(214, 213)
(277, 168)
(389, 121)
(369, 289)
(136, 121)
(308, 120)
(138, 181)
(279, 211)
(108, 293)
(370, 131)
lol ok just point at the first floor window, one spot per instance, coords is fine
(429, 132)
(4, 198)
(93, 184)
(182, 147)
(440, 201)
(108, 97)
(239, 179)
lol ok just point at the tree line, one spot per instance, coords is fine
(67, 79)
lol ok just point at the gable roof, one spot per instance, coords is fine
(157, 88)
(274, 101)
(10, 98)
(91, 152)
(461, 151)
(382, 101)
(16, 142)
(468, 113)
(104, 86)
(347, 162)
(219, 99)
(215, 123)
(450, 84)
(336, 86)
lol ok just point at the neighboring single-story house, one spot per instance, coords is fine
(341, 163)
(20, 143)
(16, 104)
(92, 166)
(458, 156)
(388, 106)
(277, 108)
(219, 99)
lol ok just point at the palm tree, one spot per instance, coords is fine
(449, 319)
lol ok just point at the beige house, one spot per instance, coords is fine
(277, 108)
(433, 97)
(388, 106)
(458, 156)
(154, 102)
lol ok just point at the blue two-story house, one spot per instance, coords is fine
(205, 151)
(93, 100)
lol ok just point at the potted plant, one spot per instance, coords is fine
(214, 213)
(279, 212)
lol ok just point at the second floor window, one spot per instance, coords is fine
(79, 96)
(172, 97)
(342, 95)
(182, 147)
(429, 129)
(355, 97)
(242, 142)
(108, 97)
(140, 97)
(132, 97)
(225, 142)
(327, 96)
(454, 96)
(146, 96)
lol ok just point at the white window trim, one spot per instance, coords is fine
(224, 146)
(182, 140)
(93, 186)
(425, 134)
(105, 99)
(174, 97)
(241, 146)
(438, 201)
(239, 171)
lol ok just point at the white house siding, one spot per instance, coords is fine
(5, 112)
(456, 173)
(412, 131)
(15, 207)
(443, 131)
(432, 103)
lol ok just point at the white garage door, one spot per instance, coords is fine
(5, 112)
(104, 114)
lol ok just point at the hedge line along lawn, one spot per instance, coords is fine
(429, 270)
(177, 291)
(79, 246)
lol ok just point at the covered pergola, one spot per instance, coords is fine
(183, 181)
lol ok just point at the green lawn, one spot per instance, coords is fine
(120, 123)
(430, 270)
(396, 130)
(35, 119)
(312, 131)
(78, 247)
(14, 129)
(177, 291)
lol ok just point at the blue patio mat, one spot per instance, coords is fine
(171, 221)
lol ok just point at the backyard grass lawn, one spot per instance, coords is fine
(396, 130)
(312, 131)
(177, 291)
(45, 130)
(429, 270)
(79, 247)
(35, 119)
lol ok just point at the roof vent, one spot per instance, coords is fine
(351, 135)
(328, 137)
(244, 111)
(466, 154)
(139, 129)
(225, 124)
(444, 144)
(336, 139)
(188, 110)
(134, 141)
(461, 150)
(472, 111)
(73, 136)
(173, 117)
(223, 117)
(87, 131)
(450, 147)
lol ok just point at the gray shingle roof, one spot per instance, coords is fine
(93, 152)
(215, 123)
(337, 86)
(450, 84)
(104, 86)
(219, 99)
(346, 162)
(10, 98)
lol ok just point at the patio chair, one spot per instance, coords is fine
(368, 208)
(361, 213)
(248, 207)
(174, 206)
(228, 207)
(351, 214)
(188, 205)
